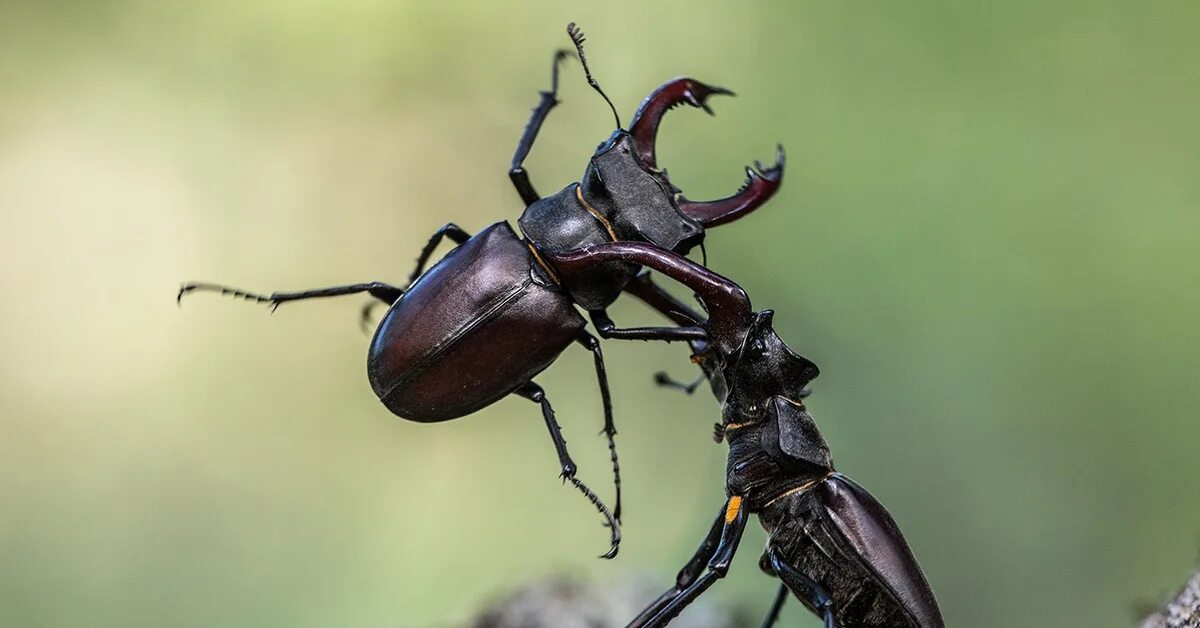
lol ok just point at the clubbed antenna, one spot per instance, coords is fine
(578, 38)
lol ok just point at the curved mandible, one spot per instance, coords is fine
(677, 91)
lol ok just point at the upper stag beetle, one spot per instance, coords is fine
(831, 543)
(493, 313)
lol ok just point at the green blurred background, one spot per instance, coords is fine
(987, 238)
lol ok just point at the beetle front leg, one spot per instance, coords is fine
(533, 392)
(516, 171)
(733, 524)
(690, 572)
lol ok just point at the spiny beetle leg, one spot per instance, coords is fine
(690, 572)
(733, 524)
(449, 230)
(516, 171)
(377, 289)
(534, 393)
(610, 429)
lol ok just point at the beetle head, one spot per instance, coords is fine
(624, 184)
(765, 366)
(638, 203)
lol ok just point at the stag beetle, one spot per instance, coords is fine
(493, 313)
(831, 543)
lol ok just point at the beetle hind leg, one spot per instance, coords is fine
(533, 392)
(610, 429)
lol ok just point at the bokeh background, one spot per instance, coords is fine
(987, 238)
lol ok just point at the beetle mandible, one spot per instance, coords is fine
(831, 543)
(494, 312)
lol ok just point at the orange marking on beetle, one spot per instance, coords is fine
(732, 509)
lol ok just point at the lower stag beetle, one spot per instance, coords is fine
(493, 313)
(831, 543)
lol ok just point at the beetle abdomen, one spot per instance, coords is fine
(471, 330)
(840, 536)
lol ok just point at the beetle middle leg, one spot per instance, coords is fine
(690, 572)
(516, 172)
(814, 595)
(610, 429)
(377, 289)
(449, 230)
(533, 392)
(666, 381)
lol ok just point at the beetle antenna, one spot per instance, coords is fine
(578, 38)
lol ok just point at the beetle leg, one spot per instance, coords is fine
(814, 595)
(610, 429)
(776, 607)
(690, 572)
(516, 172)
(643, 287)
(662, 379)
(733, 524)
(449, 230)
(534, 393)
(364, 318)
(377, 289)
(607, 329)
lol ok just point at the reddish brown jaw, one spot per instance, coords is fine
(644, 128)
(761, 184)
